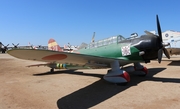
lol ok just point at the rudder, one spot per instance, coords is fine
(52, 45)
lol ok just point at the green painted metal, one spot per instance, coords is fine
(111, 50)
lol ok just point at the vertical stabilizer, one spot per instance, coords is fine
(52, 45)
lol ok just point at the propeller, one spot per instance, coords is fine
(39, 46)
(15, 46)
(162, 49)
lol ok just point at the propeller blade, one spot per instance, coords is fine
(166, 53)
(159, 28)
(159, 55)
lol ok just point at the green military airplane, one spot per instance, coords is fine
(112, 52)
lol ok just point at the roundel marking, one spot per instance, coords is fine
(55, 57)
(166, 34)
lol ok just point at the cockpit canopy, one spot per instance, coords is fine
(104, 42)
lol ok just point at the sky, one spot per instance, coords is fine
(74, 21)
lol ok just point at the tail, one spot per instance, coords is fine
(52, 45)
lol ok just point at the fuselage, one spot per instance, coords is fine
(118, 47)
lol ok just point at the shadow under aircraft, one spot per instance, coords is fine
(101, 90)
(98, 91)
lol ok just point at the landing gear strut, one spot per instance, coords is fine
(142, 71)
(116, 75)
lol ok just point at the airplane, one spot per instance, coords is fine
(4, 48)
(114, 52)
(52, 45)
(172, 37)
(15, 46)
(31, 46)
(0, 46)
(174, 47)
(69, 48)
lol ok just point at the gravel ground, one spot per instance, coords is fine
(35, 88)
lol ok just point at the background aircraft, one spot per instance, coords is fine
(174, 47)
(0, 46)
(15, 46)
(53, 45)
(3, 48)
(31, 46)
(113, 52)
(69, 48)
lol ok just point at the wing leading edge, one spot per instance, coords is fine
(63, 57)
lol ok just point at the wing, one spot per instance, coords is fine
(173, 51)
(63, 57)
(37, 65)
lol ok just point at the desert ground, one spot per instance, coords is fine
(36, 88)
